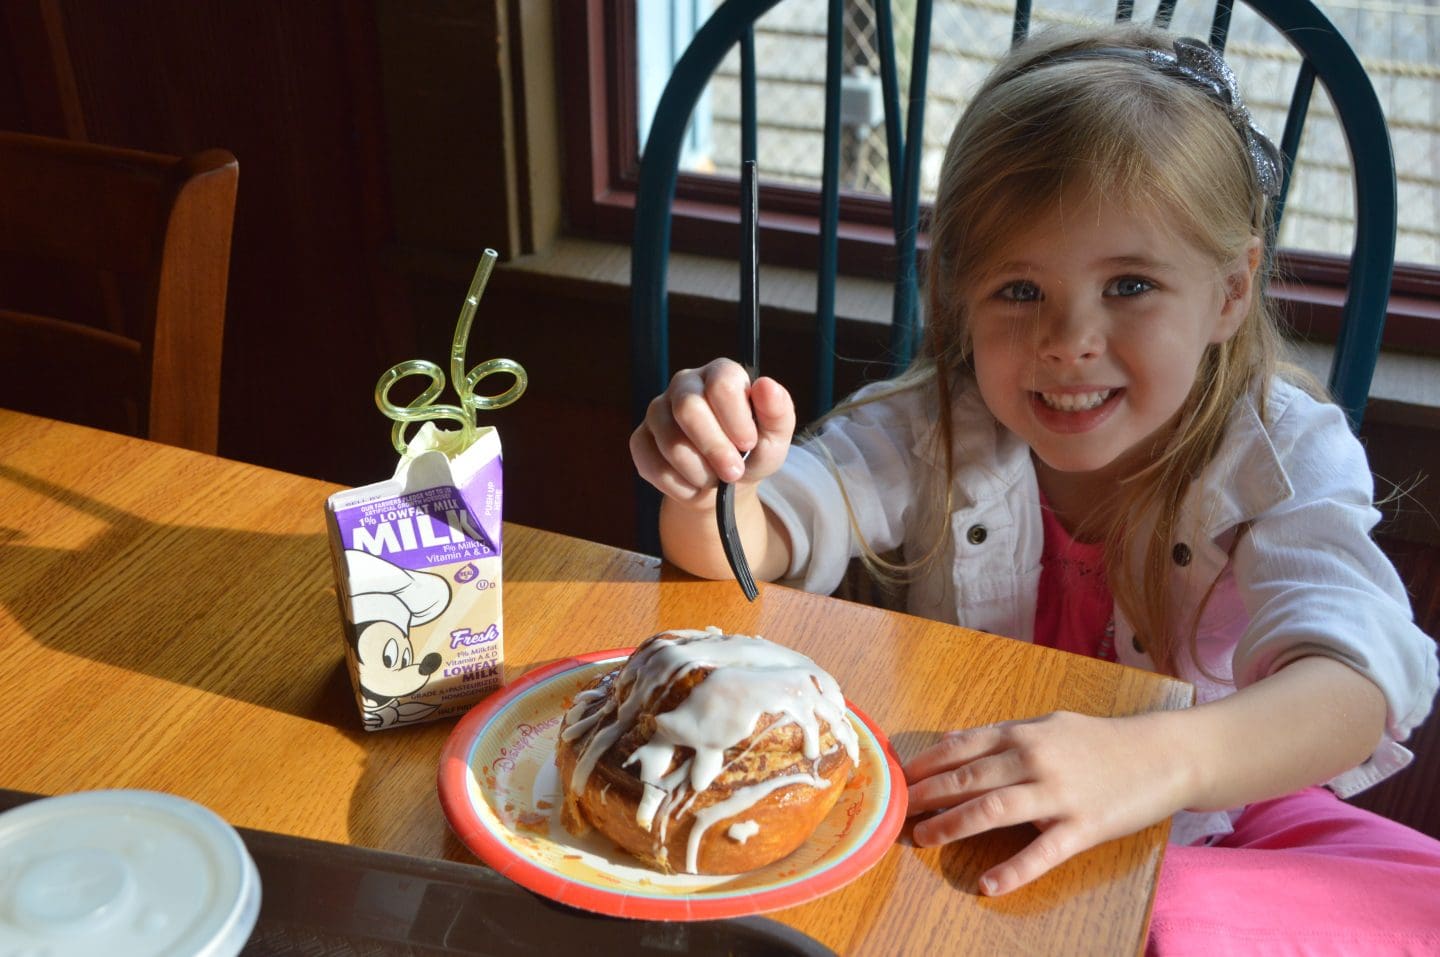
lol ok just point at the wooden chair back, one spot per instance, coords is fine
(113, 272)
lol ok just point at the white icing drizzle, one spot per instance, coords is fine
(738, 803)
(671, 785)
(742, 831)
(750, 677)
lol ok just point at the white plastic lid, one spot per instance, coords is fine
(125, 874)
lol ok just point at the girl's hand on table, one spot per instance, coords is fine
(1081, 780)
(695, 433)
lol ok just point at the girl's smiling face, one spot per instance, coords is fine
(1088, 329)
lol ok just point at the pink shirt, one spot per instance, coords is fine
(1074, 607)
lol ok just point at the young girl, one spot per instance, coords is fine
(1097, 451)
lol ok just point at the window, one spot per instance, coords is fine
(1397, 43)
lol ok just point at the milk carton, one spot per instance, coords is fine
(417, 568)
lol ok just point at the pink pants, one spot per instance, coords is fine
(1302, 874)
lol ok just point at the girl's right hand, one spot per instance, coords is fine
(696, 432)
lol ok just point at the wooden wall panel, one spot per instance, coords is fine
(445, 70)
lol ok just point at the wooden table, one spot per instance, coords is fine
(168, 621)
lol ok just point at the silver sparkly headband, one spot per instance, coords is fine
(1197, 64)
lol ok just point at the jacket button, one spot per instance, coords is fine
(1181, 554)
(976, 534)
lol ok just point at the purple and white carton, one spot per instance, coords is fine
(417, 572)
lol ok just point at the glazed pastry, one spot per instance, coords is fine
(706, 753)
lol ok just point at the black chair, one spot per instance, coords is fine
(1326, 57)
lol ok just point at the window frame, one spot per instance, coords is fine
(597, 54)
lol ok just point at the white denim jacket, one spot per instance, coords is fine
(1304, 578)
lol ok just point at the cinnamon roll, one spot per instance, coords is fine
(706, 753)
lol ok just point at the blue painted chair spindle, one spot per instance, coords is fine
(1325, 56)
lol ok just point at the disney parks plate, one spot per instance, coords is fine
(501, 793)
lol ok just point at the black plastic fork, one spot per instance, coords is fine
(749, 358)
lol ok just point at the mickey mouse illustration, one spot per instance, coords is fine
(386, 602)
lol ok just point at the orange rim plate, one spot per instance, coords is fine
(501, 794)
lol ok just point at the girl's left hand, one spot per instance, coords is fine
(1081, 780)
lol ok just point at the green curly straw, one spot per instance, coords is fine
(423, 408)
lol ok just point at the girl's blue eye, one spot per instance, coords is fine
(1020, 292)
(1129, 286)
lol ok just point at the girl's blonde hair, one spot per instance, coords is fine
(1036, 131)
